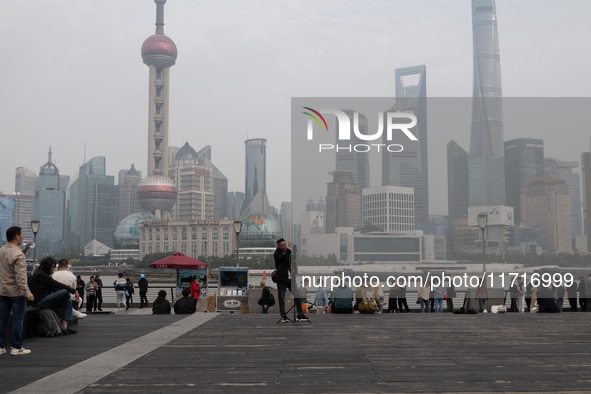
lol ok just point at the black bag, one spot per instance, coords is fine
(274, 276)
(49, 324)
(271, 298)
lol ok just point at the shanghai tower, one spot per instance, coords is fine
(487, 112)
(157, 193)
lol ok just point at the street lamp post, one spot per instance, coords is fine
(237, 229)
(482, 221)
(35, 224)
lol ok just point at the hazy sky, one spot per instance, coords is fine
(72, 72)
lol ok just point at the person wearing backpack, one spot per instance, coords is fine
(265, 297)
(129, 290)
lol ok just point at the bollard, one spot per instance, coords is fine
(211, 303)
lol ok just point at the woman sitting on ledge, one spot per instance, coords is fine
(50, 293)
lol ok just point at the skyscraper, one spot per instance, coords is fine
(49, 207)
(219, 182)
(457, 181)
(25, 182)
(487, 110)
(93, 206)
(25, 186)
(545, 202)
(524, 159)
(586, 175)
(235, 202)
(486, 138)
(157, 192)
(564, 170)
(128, 183)
(286, 221)
(410, 168)
(195, 189)
(343, 202)
(391, 208)
(348, 159)
(255, 180)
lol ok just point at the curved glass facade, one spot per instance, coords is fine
(127, 233)
(259, 230)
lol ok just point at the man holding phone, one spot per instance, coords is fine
(285, 279)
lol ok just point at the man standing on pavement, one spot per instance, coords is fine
(143, 285)
(286, 280)
(13, 290)
(99, 293)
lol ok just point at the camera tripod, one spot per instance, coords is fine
(294, 320)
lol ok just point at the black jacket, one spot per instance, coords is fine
(266, 295)
(185, 306)
(143, 285)
(161, 306)
(41, 285)
(282, 264)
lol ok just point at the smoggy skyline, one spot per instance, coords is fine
(73, 74)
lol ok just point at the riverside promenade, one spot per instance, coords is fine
(136, 352)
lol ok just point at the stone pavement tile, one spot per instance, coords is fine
(380, 353)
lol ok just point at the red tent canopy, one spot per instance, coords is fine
(178, 261)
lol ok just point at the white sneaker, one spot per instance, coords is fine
(78, 314)
(2, 351)
(19, 352)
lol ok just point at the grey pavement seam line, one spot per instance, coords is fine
(81, 375)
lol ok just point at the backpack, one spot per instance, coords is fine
(368, 303)
(48, 323)
(271, 298)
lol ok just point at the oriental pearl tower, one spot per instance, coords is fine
(157, 193)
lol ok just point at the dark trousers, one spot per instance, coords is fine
(402, 303)
(513, 305)
(16, 305)
(90, 301)
(99, 300)
(392, 305)
(281, 287)
(583, 303)
(143, 299)
(450, 304)
(128, 300)
(573, 304)
(527, 304)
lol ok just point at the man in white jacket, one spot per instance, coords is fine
(63, 275)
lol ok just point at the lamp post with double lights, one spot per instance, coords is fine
(482, 221)
(237, 229)
(35, 224)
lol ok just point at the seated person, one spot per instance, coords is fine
(546, 301)
(342, 299)
(161, 306)
(50, 293)
(185, 305)
(366, 300)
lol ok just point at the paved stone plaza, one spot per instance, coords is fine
(136, 352)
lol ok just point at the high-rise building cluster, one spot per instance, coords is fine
(543, 194)
(182, 204)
